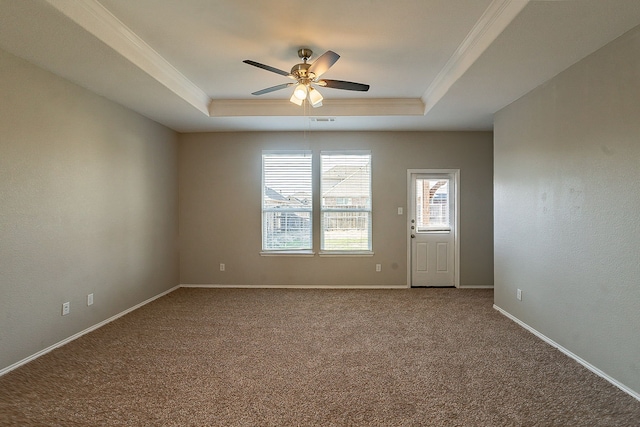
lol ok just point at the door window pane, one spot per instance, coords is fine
(432, 205)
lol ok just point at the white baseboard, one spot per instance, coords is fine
(572, 355)
(221, 286)
(81, 333)
(218, 286)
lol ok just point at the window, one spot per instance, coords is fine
(286, 201)
(345, 206)
(432, 205)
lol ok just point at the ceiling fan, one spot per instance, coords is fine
(307, 78)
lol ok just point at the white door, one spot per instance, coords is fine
(432, 228)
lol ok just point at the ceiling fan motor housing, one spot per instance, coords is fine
(301, 72)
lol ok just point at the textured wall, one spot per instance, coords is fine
(220, 190)
(88, 204)
(567, 222)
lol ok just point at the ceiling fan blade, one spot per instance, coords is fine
(323, 63)
(272, 89)
(340, 84)
(267, 67)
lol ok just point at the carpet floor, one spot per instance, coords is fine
(276, 357)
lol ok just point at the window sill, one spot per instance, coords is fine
(322, 253)
(346, 253)
(288, 253)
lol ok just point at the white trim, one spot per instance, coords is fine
(346, 253)
(287, 152)
(572, 355)
(345, 152)
(81, 333)
(219, 286)
(106, 27)
(330, 107)
(475, 287)
(491, 24)
(288, 253)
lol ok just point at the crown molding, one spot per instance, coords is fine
(493, 21)
(331, 107)
(94, 18)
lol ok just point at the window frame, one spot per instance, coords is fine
(437, 228)
(368, 209)
(310, 210)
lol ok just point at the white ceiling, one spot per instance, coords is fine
(431, 64)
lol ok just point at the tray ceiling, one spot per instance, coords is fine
(431, 64)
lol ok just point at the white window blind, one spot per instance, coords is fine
(345, 185)
(286, 201)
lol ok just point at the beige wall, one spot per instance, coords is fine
(88, 204)
(220, 222)
(567, 209)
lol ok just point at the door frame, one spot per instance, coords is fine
(456, 231)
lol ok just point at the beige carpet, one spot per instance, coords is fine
(205, 357)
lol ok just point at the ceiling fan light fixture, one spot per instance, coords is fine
(300, 92)
(296, 100)
(315, 97)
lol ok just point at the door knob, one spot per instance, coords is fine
(413, 236)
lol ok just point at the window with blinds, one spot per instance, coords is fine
(286, 201)
(345, 207)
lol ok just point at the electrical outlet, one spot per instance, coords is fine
(66, 308)
(90, 299)
(378, 267)
(519, 294)
(400, 211)
(222, 267)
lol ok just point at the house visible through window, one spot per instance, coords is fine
(286, 201)
(345, 206)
